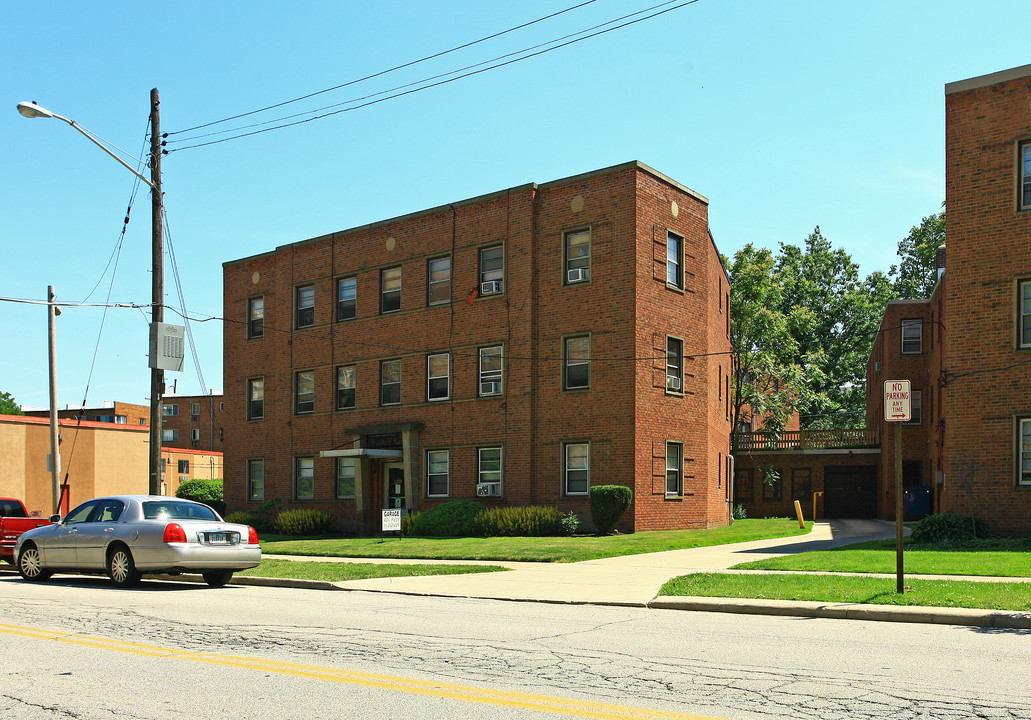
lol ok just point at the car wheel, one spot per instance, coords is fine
(30, 564)
(121, 568)
(217, 579)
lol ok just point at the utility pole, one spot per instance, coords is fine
(157, 311)
(55, 444)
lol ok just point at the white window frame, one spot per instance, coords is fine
(567, 470)
(918, 341)
(255, 383)
(304, 470)
(347, 299)
(489, 476)
(567, 363)
(434, 375)
(383, 384)
(675, 469)
(304, 401)
(1024, 175)
(256, 317)
(171, 410)
(387, 292)
(353, 388)
(1024, 311)
(491, 374)
(492, 274)
(255, 484)
(675, 365)
(304, 299)
(674, 260)
(581, 262)
(437, 282)
(347, 470)
(1023, 440)
(433, 459)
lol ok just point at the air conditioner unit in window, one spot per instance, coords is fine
(488, 489)
(578, 275)
(490, 288)
(490, 388)
(673, 383)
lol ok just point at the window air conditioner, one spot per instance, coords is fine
(488, 489)
(490, 288)
(578, 275)
(490, 388)
(673, 383)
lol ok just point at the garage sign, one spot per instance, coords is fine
(897, 401)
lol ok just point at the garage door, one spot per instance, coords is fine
(850, 492)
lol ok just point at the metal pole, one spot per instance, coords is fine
(157, 313)
(55, 455)
(899, 582)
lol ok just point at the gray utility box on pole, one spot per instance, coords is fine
(167, 346)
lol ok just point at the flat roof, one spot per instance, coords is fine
(986, 80)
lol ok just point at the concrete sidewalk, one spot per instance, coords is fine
(635, 580)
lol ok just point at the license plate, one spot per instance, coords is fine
(218, 539)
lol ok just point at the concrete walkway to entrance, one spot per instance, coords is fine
(629, 580)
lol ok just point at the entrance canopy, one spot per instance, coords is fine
(362, 452)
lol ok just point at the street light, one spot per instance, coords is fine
(157, 375)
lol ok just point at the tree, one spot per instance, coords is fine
(8, 405)
(916, 274)
(771, 369)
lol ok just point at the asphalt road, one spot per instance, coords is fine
(78, 648)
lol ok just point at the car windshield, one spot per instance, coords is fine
(171, 510)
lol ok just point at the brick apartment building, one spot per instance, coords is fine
(966, 350)
(516, 348)
(116, 412)
(192, 421)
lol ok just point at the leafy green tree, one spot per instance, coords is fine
(8, 405)
(916, 274)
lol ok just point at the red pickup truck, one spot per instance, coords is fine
(14, 520)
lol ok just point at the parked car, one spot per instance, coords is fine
(14, 520)
(127, 535)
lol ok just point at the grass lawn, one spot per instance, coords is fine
(535, 549)
(834, 588)
(340, 571)
(1000, 558)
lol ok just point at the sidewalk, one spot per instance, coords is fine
(635, 580)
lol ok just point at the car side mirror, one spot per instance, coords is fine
(55, 519)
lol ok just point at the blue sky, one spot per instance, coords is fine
(786, 115)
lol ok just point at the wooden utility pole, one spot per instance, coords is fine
(157, 312)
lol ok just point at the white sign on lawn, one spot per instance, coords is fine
(392, 520)
(897, 401)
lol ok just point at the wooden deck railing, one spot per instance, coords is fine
(809, 440)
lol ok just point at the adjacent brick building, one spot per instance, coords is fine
(119, 413)
(192, 421)
(517, 348)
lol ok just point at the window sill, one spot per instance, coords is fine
(675, 288)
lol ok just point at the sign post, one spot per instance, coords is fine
(898, 409)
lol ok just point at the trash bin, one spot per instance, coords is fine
(916, 502)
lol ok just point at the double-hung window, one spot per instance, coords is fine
(491, 370)
(304, 392)
(346, 471)
(390, 382)
(390, 290)
(912, 337)
(256, 480)
(170, 410)
(304, 478)
(437, 471)
(674, 468)
(916, 402)
(1024, 187)
(577, 248)
(305, 304)
(576, 468)
(489, 465)
(256, 318)
(674, 260)
(256, 398)
(347, 382)
(1024, 451)
(576, 366)
(437, 377)
(439, 281)
(347, 298)
(492, 270)
(1024, 313)
(674, 365)
(184, 466)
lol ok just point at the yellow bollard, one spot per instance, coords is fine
(798, 511)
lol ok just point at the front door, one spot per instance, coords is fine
(394, 478)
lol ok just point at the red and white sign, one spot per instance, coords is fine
(897, 401)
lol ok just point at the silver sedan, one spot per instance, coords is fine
(125, 536)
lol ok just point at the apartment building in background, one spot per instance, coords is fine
(515, 348)
(194, 422)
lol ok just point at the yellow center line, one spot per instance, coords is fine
(431, 688)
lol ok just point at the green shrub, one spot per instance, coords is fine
(453, 519)
(208, 492)
(608, 503)
(739, 512)
(240, 518)
(949, 528)
(569, 524)
(531, 521)
(304, 522)
(407, 520)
